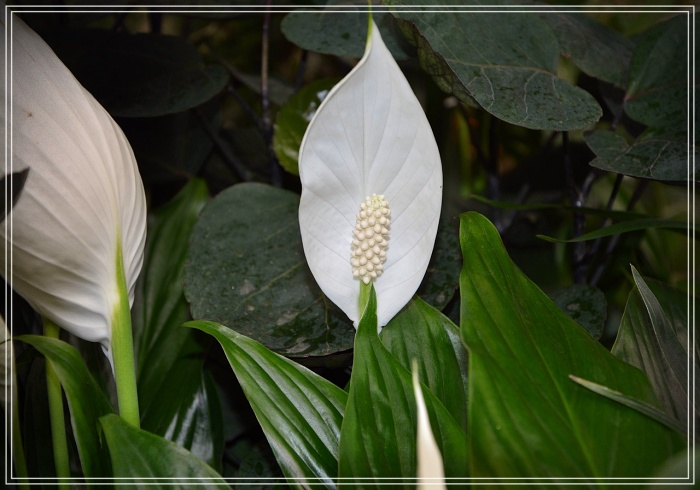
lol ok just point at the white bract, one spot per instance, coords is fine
(83, 201)
(370, 140)
(430, 472)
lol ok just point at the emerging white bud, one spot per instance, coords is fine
(370, 238)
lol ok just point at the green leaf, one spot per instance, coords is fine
(505, 62)
(654, 155)
(594, 47)
(526, 417)
(146, 458)
(141, 75)
(341, 33)
(657, 343)
(421, 333)
(657, 94)
(623, 227)
(442, 277)
(299, 411)
(293, 118)
(246, 269)
(584, 304)
(160, 306)
(87, 403)
(378, 437)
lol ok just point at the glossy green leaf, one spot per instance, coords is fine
(654, 337)
(341, 33)
(505, 62)
(586, 305)
(299, 411)
(160, 306)
(595, 48)
(87, 403)
(378, 437)
(246, 270)
(623, 227)
(141, 75)
(421, 333)
(654, 155)
(526, 417)
(293, 118)
(147, 459)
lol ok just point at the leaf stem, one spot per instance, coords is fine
(123, 350)
(363, 298)
(58, 427)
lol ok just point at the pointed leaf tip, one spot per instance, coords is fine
(370, 136)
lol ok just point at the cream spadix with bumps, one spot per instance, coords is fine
(371, 187)
(78, 229)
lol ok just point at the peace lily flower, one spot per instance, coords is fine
(430, 472)
(75, 237)
(371, 187)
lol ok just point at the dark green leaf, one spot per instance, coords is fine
(584, 304)
(506, 62)
(657, 94)
(246, 269)
(142, 75)
(526, 417)
(86, 401)
(15, 186)
(654, 155)
(299, 411)
(442, 277)
(420, 332)
(341, 33)
(293, 118)
(37, 449)
(378, 438)
(657, 343)
(147, 459)
(623, 227)
(595, 48)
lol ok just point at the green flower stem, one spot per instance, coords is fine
(364, 298)
(123, 350)
(58, 428)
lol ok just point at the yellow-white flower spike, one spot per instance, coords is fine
(370, 239)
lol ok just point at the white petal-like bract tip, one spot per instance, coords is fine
(430, 473)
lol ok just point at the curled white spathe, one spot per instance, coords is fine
(83, 197)
(430, 472)
(370, 136)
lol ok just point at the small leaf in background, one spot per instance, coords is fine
(138, 75)
(623, 227)
(586, 305)
(595, 48)
(299, 411)
(15, 186)
(293, 118)
(87, 403)
(421, 333)
(246, 270)
(526, 417)
(442, 277)
(147, 459)
(654, 338)
(378, 439)
(506, 62)
(341, 33)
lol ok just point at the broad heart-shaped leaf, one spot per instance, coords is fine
(141, 75)
(142, 458)
(658, 92)
(422, 334)
(526, 417)
(506, 62)
(654, 155)
(594, 47)
(654, 337)
(293, 118)
(299, 411)
(246, 270)
(87, 403)
(370, 136)
(378, 437)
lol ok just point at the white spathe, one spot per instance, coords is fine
(83, 196)
(370, 136)
(430, 473)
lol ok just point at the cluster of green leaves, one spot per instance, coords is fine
(514, 386)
